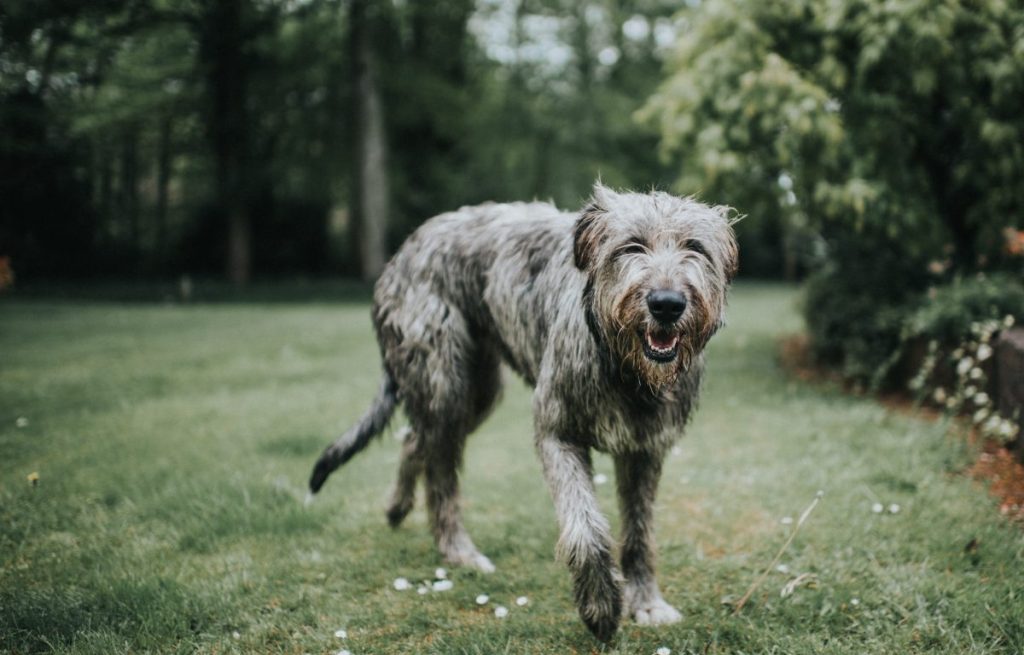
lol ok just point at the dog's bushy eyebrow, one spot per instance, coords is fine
(635, 243)
(696, 246)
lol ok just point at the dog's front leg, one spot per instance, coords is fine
(636, 476)
(585, 540)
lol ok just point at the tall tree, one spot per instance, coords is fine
(226, 71)
(370, 192)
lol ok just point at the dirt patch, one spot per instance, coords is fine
(796, 359)
(995, 465)
(1005, 474)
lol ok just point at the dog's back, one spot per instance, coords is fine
(475, 275)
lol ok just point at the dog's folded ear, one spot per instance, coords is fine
(732, 256)
(590, 229)
(731, 249)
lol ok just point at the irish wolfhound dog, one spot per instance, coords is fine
(605, 313)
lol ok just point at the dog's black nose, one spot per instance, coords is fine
(666, 305)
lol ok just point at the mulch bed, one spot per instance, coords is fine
(995, 465)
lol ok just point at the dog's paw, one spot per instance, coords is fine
(471, 559)
(656, 612)
(599, 600)
(482, 563)
(397, 512)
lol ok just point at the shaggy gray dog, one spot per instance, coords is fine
(605, 313)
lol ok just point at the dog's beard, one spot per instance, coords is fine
(654, 354)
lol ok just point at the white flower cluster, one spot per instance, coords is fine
(442, 583)
(968, 394)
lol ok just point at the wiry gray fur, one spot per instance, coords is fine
(564, 300)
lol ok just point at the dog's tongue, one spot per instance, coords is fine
(661, 340)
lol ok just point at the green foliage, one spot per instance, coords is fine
(895, 118)
(851, 327)
(949, 314)
(864, 332)
(141, 114)
(883, 139)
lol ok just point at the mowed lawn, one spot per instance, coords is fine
(173, 444)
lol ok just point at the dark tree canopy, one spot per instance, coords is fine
(163, 137)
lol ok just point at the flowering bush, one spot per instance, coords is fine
(876, 143)
(967, 394)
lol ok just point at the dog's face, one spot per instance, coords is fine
(658, 268)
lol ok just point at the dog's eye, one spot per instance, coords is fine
(631, 248)
(696, 246)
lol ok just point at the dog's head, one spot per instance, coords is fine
(658, 269)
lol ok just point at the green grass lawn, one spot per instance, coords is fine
(173, 445)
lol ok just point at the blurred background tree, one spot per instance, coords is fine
(878, 144)
(154, 138)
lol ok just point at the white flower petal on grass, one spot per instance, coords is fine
(522, 600)
(501, 611)
(664, 650)
(343, 652)
(401, 584)
(600, 478)
(422, 590)
(440, 574)
(482, 599)
(894, 509)
(855, 601)
(782, 568)
(236, 634)
(21, 422)
(877, 508)
(341, 633)
(786, 520)
(442, 585)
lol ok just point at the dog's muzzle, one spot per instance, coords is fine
(661, 341)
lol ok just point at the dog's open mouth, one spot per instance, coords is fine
(660, 346)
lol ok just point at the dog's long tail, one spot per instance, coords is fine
(359, 435)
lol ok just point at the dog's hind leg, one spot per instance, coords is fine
(443, 457)
(443, 505)
(448, 380)
(410, 468)
(636, 476)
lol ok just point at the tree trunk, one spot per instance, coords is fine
(163, 181)
(370, 193)
(106, 182)
(226, 88)
(130, 187)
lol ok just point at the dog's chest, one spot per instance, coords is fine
(622, 429)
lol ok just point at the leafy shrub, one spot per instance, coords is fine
(851, 328)
(865, 330)
(889, 132)
(950, 313)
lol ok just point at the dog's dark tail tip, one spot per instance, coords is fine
(358, 436)
(320, 472)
